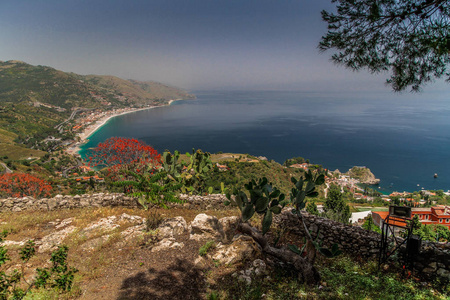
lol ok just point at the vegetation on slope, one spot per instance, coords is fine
(34, 99)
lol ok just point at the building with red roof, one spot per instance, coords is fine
(439, 215)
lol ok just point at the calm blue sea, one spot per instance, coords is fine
(403, 138)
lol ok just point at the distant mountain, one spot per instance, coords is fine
(33, 99)
(21, 82)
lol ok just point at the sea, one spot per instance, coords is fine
(403, 138)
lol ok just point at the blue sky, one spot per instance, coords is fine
(194, 44)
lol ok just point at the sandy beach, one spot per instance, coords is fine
(89, 130)
(93, 127)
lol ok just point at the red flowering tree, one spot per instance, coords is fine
(120, 153)
(21, 185)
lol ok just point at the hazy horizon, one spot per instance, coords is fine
(195, 45)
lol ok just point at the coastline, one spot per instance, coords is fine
(92, 128)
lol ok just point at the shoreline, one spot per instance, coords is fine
(99, 123)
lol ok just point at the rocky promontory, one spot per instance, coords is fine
(363, 174)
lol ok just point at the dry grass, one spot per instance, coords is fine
(7, 136)
(92, 254)
(16, 152)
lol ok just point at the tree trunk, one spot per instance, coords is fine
(306, 271)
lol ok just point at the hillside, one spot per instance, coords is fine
(135, 92)
(34, 99)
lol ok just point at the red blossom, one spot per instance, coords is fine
(22, 184)
(118, 153)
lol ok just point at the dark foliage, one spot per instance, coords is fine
(410, 39)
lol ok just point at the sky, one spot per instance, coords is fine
(192, 44)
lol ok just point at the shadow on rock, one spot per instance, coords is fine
(181, 280)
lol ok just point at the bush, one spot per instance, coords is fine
(21, 185)
(60, 276)
(124, 153)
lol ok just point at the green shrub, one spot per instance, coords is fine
(206, 247)
(60, 276)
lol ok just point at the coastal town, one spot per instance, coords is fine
(88, 122)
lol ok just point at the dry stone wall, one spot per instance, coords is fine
(67, 202)
(103, 200)
(432, 262)
(351, 239)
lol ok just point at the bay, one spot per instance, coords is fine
(403, 138)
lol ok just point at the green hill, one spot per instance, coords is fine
(34, 99)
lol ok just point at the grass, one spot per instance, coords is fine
(206, 247)
(7, 136)
(342, 278)
(371, 208)
(15, 152)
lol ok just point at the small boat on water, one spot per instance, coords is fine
(435, 175)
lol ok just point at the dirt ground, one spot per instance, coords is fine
(112, 269)
(142, 274)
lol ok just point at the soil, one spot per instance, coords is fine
(114, 269)
(142, 274)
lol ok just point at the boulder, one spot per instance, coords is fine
(242, 248)
(229, 225)
(172, 228)
(201, 262)
(205, 227)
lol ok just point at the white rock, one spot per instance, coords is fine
(205, 227)
(7, 243)
(133, 232)
(103, 225)
(64, 223)
(51, 241)
(200, 262)
(131, 219)
(260, 266)
(167, 243)
(242, 248)
(173, 227)
(93, 244)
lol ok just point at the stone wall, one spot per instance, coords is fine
(67, 202)
(432, 262)
(103, 200)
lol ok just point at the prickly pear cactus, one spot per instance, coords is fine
(264, 200)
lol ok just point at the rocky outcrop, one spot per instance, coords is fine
(172, 228)
(167, 243)
(242, 248)
(363, 174)
(229, 226)
(204, 228)
(433, 260)
(95, 233)
(168, 232)
(257, 269)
